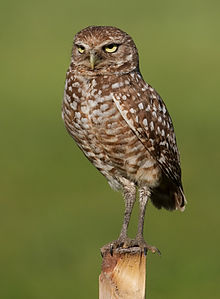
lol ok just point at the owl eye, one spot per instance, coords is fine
(81, 49)
(110, 48)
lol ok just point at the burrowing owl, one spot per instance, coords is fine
(122, 125)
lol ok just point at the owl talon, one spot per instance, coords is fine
(123, 243)
(111, 249)
(139, 242)
(129, 244)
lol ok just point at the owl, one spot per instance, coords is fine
(122, 126)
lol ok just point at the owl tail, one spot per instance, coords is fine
(168, 197)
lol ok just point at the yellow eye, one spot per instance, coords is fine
(81, 49)
(111, 48)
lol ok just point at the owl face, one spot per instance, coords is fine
(99, 50)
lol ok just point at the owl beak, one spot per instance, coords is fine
(93, 59)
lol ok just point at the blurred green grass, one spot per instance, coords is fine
(56, 209)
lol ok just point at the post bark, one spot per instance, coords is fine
(123, 274)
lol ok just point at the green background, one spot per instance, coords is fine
(56, 210)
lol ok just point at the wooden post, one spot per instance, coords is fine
(123, 274)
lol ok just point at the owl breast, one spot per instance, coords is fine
(94, 121)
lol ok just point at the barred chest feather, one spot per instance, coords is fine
(99, 129)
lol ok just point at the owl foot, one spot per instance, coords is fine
(127, 245)
(120, 243)
(140, 242)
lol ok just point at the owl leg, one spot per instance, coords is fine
(139, 240)
(129, 197)
(129, 190)
(143, 199)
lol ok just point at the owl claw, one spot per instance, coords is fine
(129, 245)
(120, 243)
(140, 242)
(111, 249)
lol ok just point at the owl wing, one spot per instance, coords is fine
(146, 114)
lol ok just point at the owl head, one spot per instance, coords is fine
(103, 50)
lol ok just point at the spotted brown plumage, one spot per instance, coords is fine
(121, 124)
